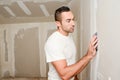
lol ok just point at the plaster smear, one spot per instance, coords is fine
(7, 36)
(8, 32)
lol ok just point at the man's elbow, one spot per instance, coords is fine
(65, 77)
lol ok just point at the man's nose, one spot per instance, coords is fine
(73, 23)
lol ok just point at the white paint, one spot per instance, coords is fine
(108, 18)
(44, 9)
(9, 11)
(109, 78)
(99, 76)
(24, 7)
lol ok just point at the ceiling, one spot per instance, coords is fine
(20, 11)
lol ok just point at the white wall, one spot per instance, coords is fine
(108, 27)
(108, 22)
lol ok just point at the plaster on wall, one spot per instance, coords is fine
(11, 30)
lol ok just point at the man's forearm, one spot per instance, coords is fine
(83, 66)
(74, 69)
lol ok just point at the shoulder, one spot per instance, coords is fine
(53, 38)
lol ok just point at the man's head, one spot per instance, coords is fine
(59, 11)
(64, 19)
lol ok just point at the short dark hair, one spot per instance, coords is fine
(59, 11)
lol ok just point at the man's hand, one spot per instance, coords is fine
(92, 47)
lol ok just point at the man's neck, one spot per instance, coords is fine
(63, 33)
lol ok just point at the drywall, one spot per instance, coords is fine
(27, 53)
(108, 22)
(0, 55)
(85, 33)
(10, 33)
(15, 45)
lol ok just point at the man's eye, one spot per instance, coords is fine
(68, 21)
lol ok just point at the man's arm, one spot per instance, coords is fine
(66, 72)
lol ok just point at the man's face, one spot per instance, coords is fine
(67, 24)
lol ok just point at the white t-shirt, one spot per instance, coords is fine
(59, 47)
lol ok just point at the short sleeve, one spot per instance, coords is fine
(54, 52)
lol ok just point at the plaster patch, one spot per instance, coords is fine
(7, 74)
(6, 47)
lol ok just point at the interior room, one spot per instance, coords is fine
(25, 25)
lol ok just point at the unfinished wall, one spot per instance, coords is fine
(14, 39)
(27, 59)
(23, 45)
(108, 20)
(85, 33)
(0, 53)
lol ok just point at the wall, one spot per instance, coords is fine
(108, 22)
(0, 55)
(16, 44)
(9, 32)
(85, 34)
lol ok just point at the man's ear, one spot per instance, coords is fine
(58, 23)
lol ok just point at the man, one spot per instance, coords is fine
(60, 49)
